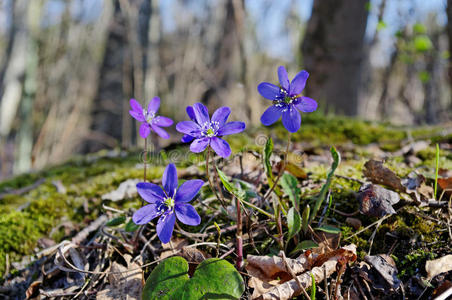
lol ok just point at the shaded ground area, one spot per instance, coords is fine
(74, 202)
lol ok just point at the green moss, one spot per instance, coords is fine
(88, 178)
(413, 262)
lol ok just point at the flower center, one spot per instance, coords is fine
(169, 202)
(284, 99)
(288, 99)
(210, 129)
(210, 132)
(149, 116)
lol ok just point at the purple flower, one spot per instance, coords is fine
(205, 132)
(286, 100)
(168, 203)
(149, 118)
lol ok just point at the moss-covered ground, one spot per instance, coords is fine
(38, 213)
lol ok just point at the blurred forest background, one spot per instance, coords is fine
(69, 67)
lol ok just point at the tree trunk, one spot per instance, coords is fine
(333, 53)
(15, 71)
(24, 137)
(108, 105)
(449, 35)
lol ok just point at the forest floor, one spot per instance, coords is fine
(66, 231)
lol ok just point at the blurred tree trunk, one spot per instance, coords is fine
(24, 137)
(108, 107)
(225, 58)
(333, 53)
(11, 87)
(219, 39)
(449, 35)
(432, 89)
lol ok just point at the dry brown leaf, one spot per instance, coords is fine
(376, 201)
(33, 289)
(326, 242)
(269, 271)
(291, 288)
(438, 266)
(271, 266)
(193, 255)
(413, 184)
(386, 267)
(444, 173)
(281, 285)
(249, 163)
(446, 184)
(443, 292)
(177, 243)
(296, 170)
(377, 173)
(123, 284)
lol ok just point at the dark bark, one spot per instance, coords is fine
(449, 35)
(432, 103)
(108, 105)
(333, 53)
(222, 45)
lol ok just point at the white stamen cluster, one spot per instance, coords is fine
(210, 129)
(150, 117)
(284, 100)
(169, 202)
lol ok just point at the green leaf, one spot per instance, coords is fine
(214, 278)
(436, 170)
(268, 149)
(424, 76)
(329, 229)
(266, 155)
(296, 170)
(326, 186)
(305, 219)
(293, 221)
(381, 25)
(166, 278)
(419, 28)
(227, 184)
(422, 43)
(313, 287)
(131, 226)
(289, 184)
(308, 244)
(116, 221)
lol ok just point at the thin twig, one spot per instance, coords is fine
(367, 227)
(350, 178)
(239, 242)
(326, 283)
(294, 276)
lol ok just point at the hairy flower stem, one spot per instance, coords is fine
(145, 158)
(279, 227)
(212, 187)
(217, 179)
(239, 242)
